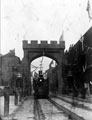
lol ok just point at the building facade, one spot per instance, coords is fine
(8, 64)
(79, 63)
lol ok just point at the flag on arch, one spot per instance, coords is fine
(89, 10)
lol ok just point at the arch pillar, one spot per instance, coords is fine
(60, 79)
(26, 72)
(25, 63)
(59, 75)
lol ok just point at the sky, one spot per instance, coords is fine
(42, 20)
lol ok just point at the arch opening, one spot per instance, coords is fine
(47, 66)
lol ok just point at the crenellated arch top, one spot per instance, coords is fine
(34, 50)
(43, 44)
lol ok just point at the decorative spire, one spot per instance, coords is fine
(62, 36)
(89, 10)
(51, 63)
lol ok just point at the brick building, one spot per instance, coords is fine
(8, 63)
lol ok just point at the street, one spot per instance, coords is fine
(53, 108)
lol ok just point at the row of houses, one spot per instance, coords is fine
(76, 68)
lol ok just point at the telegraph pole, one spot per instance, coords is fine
(0, 63)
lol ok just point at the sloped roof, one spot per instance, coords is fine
(11, 53)
(88, 38)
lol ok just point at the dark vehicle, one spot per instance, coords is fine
(41, 86)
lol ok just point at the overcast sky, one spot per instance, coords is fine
(42, 20)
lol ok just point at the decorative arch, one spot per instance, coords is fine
(34, 50)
